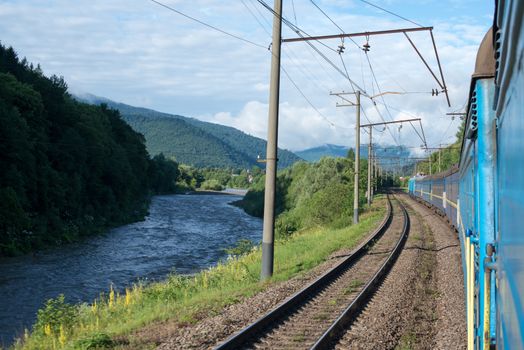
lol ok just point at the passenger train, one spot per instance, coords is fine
(483, 198)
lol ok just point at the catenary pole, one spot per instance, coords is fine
(357, 94)
(268, 236)
(369, 195)
(375, 173)
(357, 160)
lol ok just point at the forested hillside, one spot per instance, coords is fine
(194, 142)
(388, 154)
(314, 154)
(68, 168)
(310, 194)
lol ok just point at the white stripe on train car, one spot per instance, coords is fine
(453, 204)
(444, 200)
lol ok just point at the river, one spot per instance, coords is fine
(183, 233)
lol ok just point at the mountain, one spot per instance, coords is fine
(314, 154)
(389, 154)
(191, 141)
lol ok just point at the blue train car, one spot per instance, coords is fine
(483, 198)
(440, 191)
(476, 201)
(509, 184)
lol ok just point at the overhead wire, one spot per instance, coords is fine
(255, 17)
(332, 21)
(310, 103)
(445, 132)
(382, 97)
(289, 53)
(294, 11)
(386, 72)
(303, 34)
(422, 137)
(292, 26)
(291, 79)
(252, 43)
(321, 63)
(354, 90)
(363, 80)
(305, 70)
(390, 12)
(299, 32)
(207, 24)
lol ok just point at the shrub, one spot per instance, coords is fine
(96, 341)
(55, 314)
(212, 185)
(243, 247)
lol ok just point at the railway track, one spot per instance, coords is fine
(317, 315)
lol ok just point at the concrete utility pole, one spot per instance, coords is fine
(375, 173)
(357, 160)
(268, 236)
(370, 126)
(370, 195)
(357, 145)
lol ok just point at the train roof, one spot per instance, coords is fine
(437, 176)
(485, 67)
(485, 62)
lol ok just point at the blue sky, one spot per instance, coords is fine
(140, 53)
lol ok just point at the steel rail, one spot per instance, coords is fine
(247, 334)
(354, 309)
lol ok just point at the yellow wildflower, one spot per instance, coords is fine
(47, 330)
(128, 297)
(111, 297)
(62, 336)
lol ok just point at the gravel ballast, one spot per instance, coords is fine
(420, 305)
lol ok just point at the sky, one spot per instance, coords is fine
(140, 53)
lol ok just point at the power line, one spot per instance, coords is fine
(302, 67)
(294, 12)
(422, 137)
(309, 101)
(288, 75)
(325, 14)
(382, 98)
(304, 35)
(208, 25)
(445, 132)
(305, 70)
(292, 26)
(256, 18)
(332, 21)
(391, 12)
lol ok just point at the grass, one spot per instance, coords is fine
(406, 342)
(353, 286)
(186, 299)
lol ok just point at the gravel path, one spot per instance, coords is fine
(420, 305)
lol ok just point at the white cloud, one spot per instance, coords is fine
(140, 53)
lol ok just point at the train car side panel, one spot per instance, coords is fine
(510, 176)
